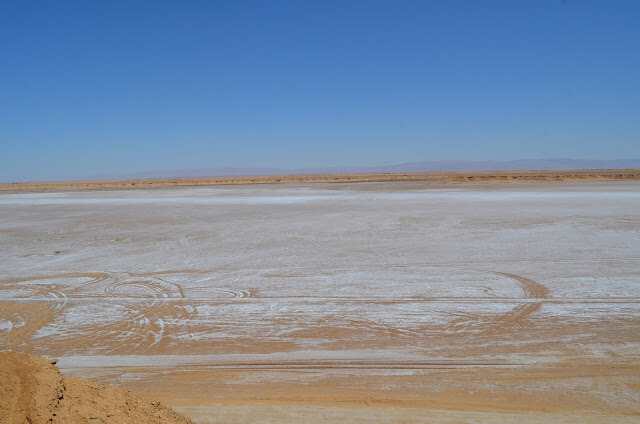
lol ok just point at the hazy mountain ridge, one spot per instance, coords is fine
(425, 166)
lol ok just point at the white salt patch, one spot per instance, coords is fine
(283, 197)
(5, 325)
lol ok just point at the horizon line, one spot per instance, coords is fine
(452, 177)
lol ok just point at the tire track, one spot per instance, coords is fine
(114, 312)
(375, 326)
(143, 312)
(324, 364)
(27, 305)
(532, 290)
(142, 326)
(21, 321)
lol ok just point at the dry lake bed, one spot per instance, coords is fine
(364, 303)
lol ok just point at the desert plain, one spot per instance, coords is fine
(403, 301)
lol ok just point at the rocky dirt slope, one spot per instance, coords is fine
(33, 391)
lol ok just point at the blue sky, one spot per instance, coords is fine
(98, 87)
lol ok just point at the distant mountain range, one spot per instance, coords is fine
(427, 166)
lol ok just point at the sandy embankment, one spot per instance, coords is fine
(429, 177)
(32, 390)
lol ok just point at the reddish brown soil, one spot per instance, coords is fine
(33, 391)
(431, 177)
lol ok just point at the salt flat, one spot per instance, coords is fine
(368, 302)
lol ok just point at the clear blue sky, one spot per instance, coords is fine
(95, 87)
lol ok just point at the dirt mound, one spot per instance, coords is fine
(32, 390)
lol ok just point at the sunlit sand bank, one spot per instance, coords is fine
(428, 177)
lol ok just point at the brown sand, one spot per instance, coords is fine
(32, 390)
(514, 366)
(433, 177)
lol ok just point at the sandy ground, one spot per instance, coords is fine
(32, 391)
(364, 303)
(431, 177)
